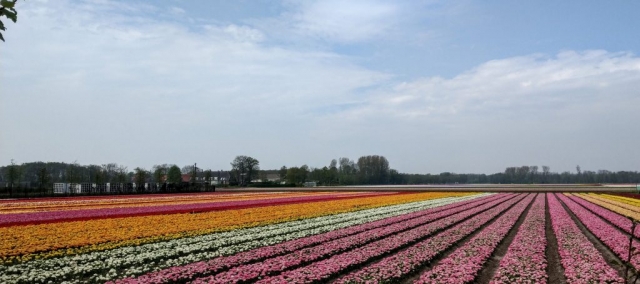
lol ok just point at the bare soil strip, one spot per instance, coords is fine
(555, 271)
(612, 259)
(492, 264)
(414, 276)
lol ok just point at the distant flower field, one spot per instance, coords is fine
(321, 237)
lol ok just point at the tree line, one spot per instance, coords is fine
(245, 171)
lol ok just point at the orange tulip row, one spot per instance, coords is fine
(21, 243)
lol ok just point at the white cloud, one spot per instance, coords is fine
(115, 82)
(345, 21)
(511, 84)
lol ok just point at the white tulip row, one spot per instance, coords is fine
(135, 260)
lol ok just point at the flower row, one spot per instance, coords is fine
(324, 269)
(581, 261)
(70, 203)
(58, 239)
(463, 265)
(616, 219)
(328, 248)
(627, 203)
(617, 241)
(611, 205)
(397, 266)
(147, 257)
(346, 237)
(525, 260)
(89, 214)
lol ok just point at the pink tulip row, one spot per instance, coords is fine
(308, 255)
(581, 261)
(394, 267)
(618, 220)
(617, 241)
(322, 270)
(216, 265)
(87, 214)
(464, 264)
(525, 260)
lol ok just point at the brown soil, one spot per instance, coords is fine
(610, 257)
(489, 269)
(555, 272)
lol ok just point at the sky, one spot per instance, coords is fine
(434, 86)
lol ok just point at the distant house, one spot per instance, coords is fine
(268, 177)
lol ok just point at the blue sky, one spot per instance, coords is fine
(461, 86)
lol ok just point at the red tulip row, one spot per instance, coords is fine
(581, 261)
(395, 267)
(359, 232)
(104, 213)
(525, 260)
(322, 270)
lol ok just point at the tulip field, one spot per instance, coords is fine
(322, 237)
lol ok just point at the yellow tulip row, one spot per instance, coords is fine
(611, 205)
(626, 200)
(22, 243)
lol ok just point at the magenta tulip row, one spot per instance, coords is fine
(618, 220)
(325, 269)
(359, 232)
(581, 261)
(525, 260)
(397, 266)
(617, 241)
(464, 264)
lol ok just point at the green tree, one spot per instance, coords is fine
(140, 177)
(373, 170)
(13, 173)
(174, 175)
(7, 9)
(73, 173)
(121, 175)
(43, 178)
(283, 173)
(159, 173)
(244, 169)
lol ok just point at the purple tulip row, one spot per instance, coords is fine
(464, 264)
(618, 220)
(372, 229)
(581, 261)
(395, 267)
(86, 214)
(617, 241)
(325, 269)
(525, 260)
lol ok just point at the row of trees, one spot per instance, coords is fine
(42, 175)
(367, 170)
